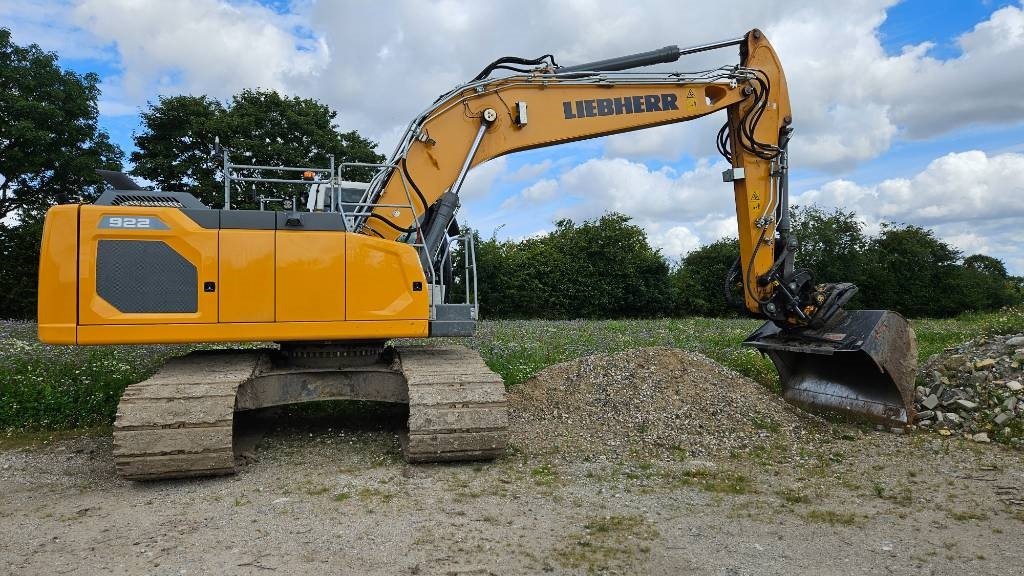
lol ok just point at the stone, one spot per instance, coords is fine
(925, 415)
(1018, 355)
(940, 416)
(920, 392)
(1015, 386)
(981, 437)
(1001, 418)
(985, 364)
(966, 404)
(953, 417)
(930, 402)
(945, 432)
(1015, 341)
(1010, 403)
(925, 423)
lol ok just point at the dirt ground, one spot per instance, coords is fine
(332, 496)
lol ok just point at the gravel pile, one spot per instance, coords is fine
(648, 402)
(975, 390)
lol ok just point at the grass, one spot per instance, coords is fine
(608, 543)
(831, 517)
(64, 387)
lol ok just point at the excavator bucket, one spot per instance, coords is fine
(860, 366)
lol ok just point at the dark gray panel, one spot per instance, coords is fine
(453, 312)
(247, 220)
(465, 328)
(209, 219)
(150, 198)
(137, 276)
(310, 221)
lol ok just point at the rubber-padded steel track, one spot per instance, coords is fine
(456, 405)
(179, 422)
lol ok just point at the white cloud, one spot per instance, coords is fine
(380, 63)
(972, 200)
(480, 180)
(678, 210)
(676, 241)
(538, 192)
(200, 47)
(958, 187)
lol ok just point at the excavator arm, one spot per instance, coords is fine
(815, 344)
(490, 118)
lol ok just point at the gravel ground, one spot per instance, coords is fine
(709, 474)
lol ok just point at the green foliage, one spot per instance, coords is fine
(19, 252)
(909, 270)
(50, 147)
(260, 127)
(50, 143)
(832, 244)
(60, 387)
(602, 268)
(699, 280)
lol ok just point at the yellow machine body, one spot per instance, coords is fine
(141, 274)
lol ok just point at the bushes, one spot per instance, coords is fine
(19, 253)
(602, 268)
(606, 269)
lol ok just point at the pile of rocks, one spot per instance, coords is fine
(649, 402)
(975, 390)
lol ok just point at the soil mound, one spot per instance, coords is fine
(648, 402)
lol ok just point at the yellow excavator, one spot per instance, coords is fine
(366, 263)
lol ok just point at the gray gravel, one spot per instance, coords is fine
(975, 390)
(649, 402)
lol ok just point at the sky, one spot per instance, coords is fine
(908, 112)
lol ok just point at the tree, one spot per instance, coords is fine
(986, 265)
(832, 243)
(699, 281)
(19, 253)
(176, 146)
(911, 271)
(602, 268)
(50, 143)
(259, 127)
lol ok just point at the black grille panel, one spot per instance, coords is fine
(139, 276)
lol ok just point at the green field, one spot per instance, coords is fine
(61, 387)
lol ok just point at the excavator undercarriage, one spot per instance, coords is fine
(179, 422)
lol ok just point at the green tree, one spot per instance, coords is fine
(699, 280)
(259, 127)
(19, 253)
(832, 243)
(913, 272)
(50, 147)
(176, 147)
(50, 143)
(986, 265)
(602, 268)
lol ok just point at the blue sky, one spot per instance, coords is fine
(905, 111)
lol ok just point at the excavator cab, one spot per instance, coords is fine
(860, 365)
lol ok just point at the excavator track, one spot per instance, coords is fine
(456, 405)
(179, 422)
